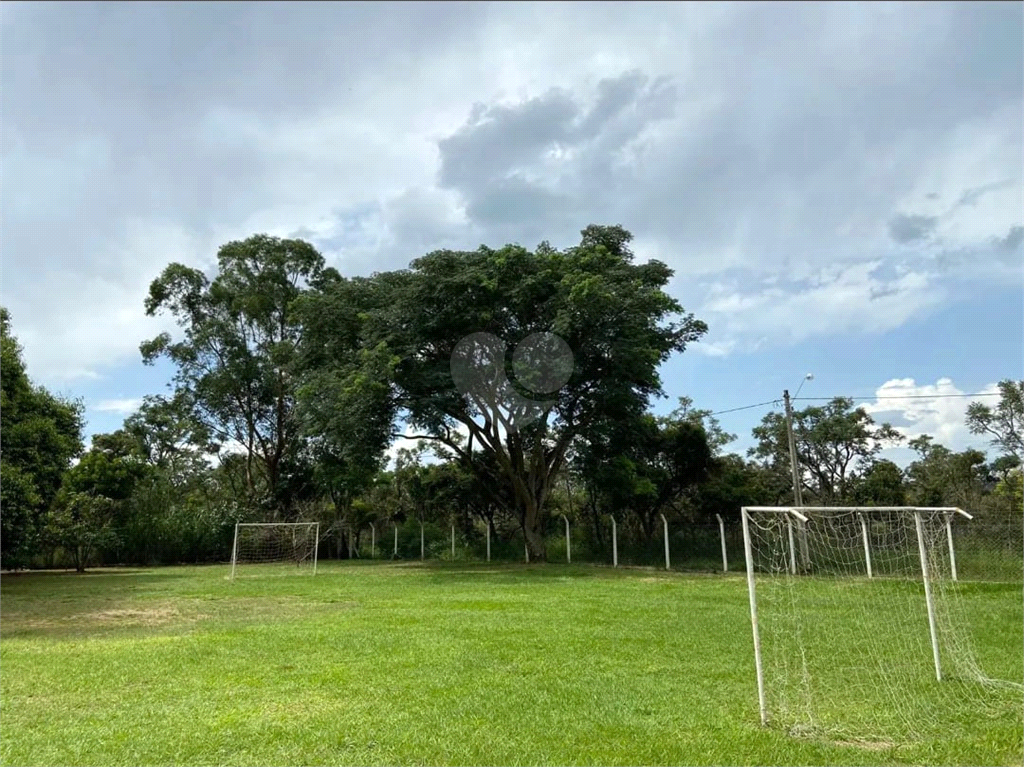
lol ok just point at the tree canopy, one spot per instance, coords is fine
(41, 435)
(463, 313)
(236, 364)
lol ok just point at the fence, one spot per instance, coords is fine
(988, 548)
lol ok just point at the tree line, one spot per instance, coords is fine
(292, 381)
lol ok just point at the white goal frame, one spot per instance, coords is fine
(796, 513)
(316, 538)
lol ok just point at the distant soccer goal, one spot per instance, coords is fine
(263, 548)
(861, 629)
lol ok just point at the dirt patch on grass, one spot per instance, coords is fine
(155, 616)
(867, 745)
(170, 616)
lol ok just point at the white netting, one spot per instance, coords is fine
(848, 655)
(285, 547)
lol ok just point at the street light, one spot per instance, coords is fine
(808, 377)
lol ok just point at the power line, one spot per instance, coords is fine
(872, 397)
(746, 407)
(905, 396)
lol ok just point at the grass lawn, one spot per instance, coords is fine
(379, 663)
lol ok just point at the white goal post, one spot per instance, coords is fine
(276, 543)
(859, 624)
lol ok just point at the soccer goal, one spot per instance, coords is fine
(276, 547)
(860, 626)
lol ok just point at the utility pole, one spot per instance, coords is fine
(798, 496)
(798, 490)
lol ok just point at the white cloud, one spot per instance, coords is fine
(937, 409)
(836, 300)
(124, 406)
(712, 349)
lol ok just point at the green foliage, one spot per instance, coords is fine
(613, 314)
(1004, 423)
(881, 485)
(941, 477)
(736, 483)
(1010, 491)
(169, 436)
(345, 402)
(717, 438)
(94, 495)
(836, 445)
(40, 434)
(646, 466)
(237, 362)
(112, 468)
(81, 523)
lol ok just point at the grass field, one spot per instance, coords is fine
(373, 663)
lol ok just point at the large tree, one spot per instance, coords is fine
(836, 445)
(236, 363)
(610, 314)
(40, 435)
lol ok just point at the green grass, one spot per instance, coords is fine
(373, 663)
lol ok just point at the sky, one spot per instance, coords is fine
(838, 187)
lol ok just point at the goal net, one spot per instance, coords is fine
(861, 629)
(275, 547)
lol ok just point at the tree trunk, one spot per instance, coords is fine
(534, 532)
(646, 526)
(596, 518)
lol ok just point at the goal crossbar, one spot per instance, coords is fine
(861, 509)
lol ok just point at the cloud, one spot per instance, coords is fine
(905, 228)
(1011, 242)
(848, 299)
(711, 349)
(736, 141)
(971, 196)
(937, 409)
(123, 406)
